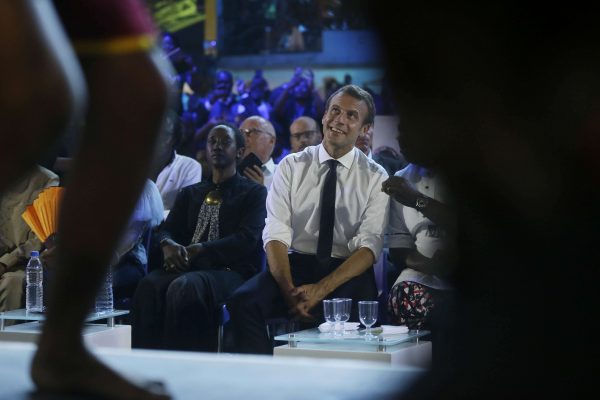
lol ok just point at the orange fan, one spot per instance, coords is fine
(42, 215)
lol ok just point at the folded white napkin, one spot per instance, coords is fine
(393, 329)
(348, 326)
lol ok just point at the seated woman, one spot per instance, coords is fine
(210, 244)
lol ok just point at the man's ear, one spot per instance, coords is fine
(364, 129)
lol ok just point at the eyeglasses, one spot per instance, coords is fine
(257, 131)
(305, 134)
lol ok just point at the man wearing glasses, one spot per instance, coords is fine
(304, 132)
(260, 140)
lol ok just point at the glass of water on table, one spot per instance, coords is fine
(342, 311)
(329, 310)
(367, 312)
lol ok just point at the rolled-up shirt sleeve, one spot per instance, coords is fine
(372, 227)
(278, 224)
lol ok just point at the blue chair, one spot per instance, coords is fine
(223, 318)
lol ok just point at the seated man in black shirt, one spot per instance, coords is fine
(211, 243)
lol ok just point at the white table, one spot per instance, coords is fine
(94, 335)
(192, 376)
(399, 350)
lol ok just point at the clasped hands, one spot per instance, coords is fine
(302, 299)
(177, 258)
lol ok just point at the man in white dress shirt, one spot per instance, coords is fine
(299, 277)
(260, 140)
(172, 171)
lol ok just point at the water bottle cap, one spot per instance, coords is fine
(35, 253)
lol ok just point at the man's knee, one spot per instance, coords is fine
(12, 280)
(243, 299)
(186, 290)
(11, 290)
(146, 288)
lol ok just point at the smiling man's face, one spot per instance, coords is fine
(343, 122)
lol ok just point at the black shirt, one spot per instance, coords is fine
(241, 221)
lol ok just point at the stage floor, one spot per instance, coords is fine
(195, 376)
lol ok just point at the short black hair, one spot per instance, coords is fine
(359, 94)
(240, 139)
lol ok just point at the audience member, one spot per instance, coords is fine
(364, 142)
(218, 104)
(389, 159)
(260, 140)
(211, 245)
(132, 254)
(172, 171)
(127, 97)
(304, 132)
(330, 86)
(315, 252)
(16, 238)
(255, 101)
(295, 99)
(182, 64)
(418, 240)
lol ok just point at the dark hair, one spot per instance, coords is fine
(359, 94)
(240, 139)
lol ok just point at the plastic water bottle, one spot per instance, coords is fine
(34, 291)
(104, 300)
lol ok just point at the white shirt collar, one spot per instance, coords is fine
(346, 160)
(269, 166)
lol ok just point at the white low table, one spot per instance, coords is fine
(94, 335)
(399, 350)
(192, 376)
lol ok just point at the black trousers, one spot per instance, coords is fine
(178, 311)
(260, 299)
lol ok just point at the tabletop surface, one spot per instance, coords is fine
(22, 315)
(352, 337)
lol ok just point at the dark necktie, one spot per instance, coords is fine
(327, 215)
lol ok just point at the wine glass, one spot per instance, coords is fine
(343, 313)
(329, 314)
(367, 312)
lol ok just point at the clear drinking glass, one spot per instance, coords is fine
(342, 314)
(367, 312)
(329, 314)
